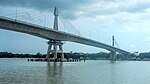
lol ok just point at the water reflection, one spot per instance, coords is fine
(54, 73)
(112, 62)
(112, 72)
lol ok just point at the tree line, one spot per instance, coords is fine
(66, 55)
(75, 55)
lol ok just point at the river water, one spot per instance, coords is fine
(20, 71)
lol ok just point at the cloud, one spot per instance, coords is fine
(67, 7)
(127, 29)
(132, 46)
(112, 7)
(146, 39)
(133, 5)
(73, 9)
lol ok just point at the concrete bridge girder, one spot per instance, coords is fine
(49, 34)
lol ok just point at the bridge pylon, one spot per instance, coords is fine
(54, 44)
(113, 54)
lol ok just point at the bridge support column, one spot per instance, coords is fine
(113, 56)
(52, 49)
(128, 56)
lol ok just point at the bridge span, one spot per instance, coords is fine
(50, 34)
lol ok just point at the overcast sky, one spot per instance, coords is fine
(127, 20)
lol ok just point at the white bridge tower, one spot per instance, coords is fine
(55, 46)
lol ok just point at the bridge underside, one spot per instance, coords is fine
(50, 34)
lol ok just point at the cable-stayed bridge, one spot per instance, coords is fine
(55, 36)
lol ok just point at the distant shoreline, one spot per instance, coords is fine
(88, 56)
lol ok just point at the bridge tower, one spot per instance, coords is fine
(113, 40)
(55, 46)
(113, 54)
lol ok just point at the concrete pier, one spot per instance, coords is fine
(55, 47)
(113, 56)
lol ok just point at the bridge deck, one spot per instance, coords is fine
(47, 33)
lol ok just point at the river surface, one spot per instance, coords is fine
(20, 71)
